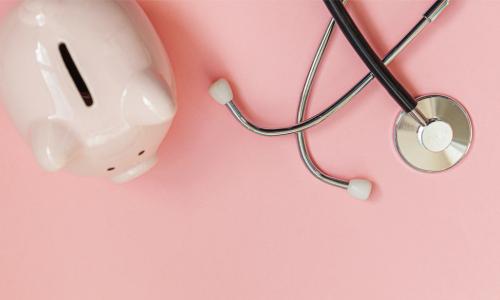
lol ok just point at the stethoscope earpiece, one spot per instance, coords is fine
(432, 134)
(221, 91)
(359, 189)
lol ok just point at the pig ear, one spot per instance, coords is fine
(148, 100)
(53, 144)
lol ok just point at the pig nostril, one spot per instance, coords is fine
(142, 152)
(111, 169)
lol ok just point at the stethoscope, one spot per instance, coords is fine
(433, 133)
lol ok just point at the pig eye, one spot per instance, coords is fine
(75, 75)
(111, 169)
(141, 153)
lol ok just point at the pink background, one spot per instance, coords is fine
(231, 215)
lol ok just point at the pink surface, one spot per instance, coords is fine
(230, 215)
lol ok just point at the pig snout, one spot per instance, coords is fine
(136, 170)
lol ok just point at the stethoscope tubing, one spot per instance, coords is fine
(304, 150)
(428, 18)
(359, 43)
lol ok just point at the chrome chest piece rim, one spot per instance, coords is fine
(440, 145)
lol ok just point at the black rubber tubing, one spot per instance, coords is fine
(369, 57)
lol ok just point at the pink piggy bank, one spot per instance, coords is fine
(88, 85)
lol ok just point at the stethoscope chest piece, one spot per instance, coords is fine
(441, 144)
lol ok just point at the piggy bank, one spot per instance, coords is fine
(88, 84)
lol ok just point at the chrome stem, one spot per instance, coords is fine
(419, 117)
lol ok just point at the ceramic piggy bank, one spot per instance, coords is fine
(88, 84)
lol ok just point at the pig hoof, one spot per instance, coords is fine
(136, 171)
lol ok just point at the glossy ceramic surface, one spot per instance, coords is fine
(88, 84)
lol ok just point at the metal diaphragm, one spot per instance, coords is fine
(441, 144)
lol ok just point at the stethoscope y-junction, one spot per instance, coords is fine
(432, 133)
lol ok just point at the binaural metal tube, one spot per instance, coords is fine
(346, 98)
(301, 138)
(436, 9)
(304, 151)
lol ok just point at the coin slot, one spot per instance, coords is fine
(75, 75)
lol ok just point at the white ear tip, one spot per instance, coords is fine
(221, 91)
(360, 189)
